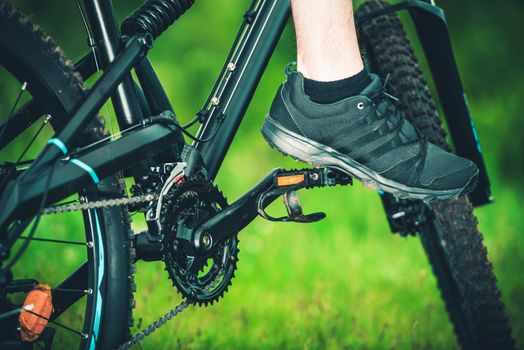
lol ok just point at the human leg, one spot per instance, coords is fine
(352, 123)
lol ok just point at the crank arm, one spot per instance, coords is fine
(238, 215)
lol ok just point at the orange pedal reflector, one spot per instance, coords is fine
(289, 180)
(39, 301)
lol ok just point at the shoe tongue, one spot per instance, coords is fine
(374, 86)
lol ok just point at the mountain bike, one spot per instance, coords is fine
(84, 173)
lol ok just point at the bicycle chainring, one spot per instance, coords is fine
(200, 278)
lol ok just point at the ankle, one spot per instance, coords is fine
(326, 68)
(333, 91)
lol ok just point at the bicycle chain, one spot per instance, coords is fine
(155, 325)
(99, 204)
(164, 319)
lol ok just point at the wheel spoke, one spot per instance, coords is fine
(10, 116)
(49, 240)
(62, 298)
(18, 97)
(83, 335)
(31, 234)
(46, 121)
(81, 291)
(22, 118)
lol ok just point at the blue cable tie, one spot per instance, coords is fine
(58, 143)
(86, 168)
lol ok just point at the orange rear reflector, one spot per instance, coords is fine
(289, 180)
(39, 301)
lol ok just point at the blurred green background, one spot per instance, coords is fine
(345, 282)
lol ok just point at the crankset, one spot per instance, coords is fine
(200, 277)
(198, 230)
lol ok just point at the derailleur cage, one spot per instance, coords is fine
(286, 183)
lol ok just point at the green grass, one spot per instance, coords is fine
(343, 283)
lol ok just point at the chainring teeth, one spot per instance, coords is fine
(195, 200)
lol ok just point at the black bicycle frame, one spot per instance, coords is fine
(221, 113)
(239, 78)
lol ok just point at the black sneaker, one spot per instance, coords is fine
(368, 138)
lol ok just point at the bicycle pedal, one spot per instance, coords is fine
(286, 183)
(293, 207)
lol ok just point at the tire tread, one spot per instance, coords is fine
(472, 271)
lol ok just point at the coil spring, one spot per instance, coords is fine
(155, 16)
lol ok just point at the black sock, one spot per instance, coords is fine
(333, 91)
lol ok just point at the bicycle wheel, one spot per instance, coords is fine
(451, 240)
(85, 257)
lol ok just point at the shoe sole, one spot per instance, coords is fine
(316, 154)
